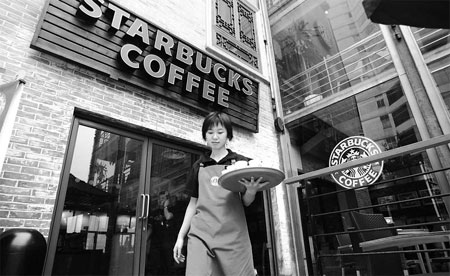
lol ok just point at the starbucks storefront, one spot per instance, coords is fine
(377, 96)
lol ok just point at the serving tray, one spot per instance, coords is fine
(230, 180)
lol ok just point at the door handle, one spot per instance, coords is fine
(143, 206)
(148, 205)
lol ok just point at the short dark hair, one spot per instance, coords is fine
(215, 118)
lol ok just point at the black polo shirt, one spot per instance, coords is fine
(204, 161)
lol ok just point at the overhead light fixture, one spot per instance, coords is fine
(173, 154)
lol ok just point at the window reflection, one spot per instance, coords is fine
(382, 114)
(390, 126)
(98, 223)
(169, 171)
(431, 39)
(324, 47)
(441, 73)
(434, 45)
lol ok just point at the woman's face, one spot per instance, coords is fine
(216, 137)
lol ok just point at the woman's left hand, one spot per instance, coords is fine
(253, 185)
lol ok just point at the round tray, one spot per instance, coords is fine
(230, 180)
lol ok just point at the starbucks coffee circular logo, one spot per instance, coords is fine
(352, 148)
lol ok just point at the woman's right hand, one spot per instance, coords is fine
(177, 256)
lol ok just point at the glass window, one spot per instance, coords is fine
(168, 202)
(435, 46)
(380, 102)
(385, 121)
(325, 47)
(442, 78)
(400, 115)
(234, 30)
(394, 94)
(402, 206)
(404, 180)
(440, 70)
(430, 40)
(97, 234)
(316, 134)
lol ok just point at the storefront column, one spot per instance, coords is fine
(428, 123)
(289, 251)
(436, 100)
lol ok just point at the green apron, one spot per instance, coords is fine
(218, 240)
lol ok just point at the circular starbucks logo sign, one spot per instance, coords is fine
(353, 148)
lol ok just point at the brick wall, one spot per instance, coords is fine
(31, 172)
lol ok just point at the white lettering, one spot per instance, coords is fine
(91, 9)
(184, 53)
(118, 16)
(139, 28)
(157, 67)
(175, 72)
(208, 90)
(192, 81)
(216, 69)
(165, 41)
(247, 87)
(160, 72)
(222, 96)
(206, 69)
(125, 55)
(233, 79)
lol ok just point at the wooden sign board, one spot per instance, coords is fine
(110, 39)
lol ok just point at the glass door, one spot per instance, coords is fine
(120, 204)
(168, 201)
(101, 204)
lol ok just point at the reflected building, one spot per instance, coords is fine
(322, 49)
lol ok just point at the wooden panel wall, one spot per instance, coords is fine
(62, 31)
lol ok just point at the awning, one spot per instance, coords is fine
(434, 14)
